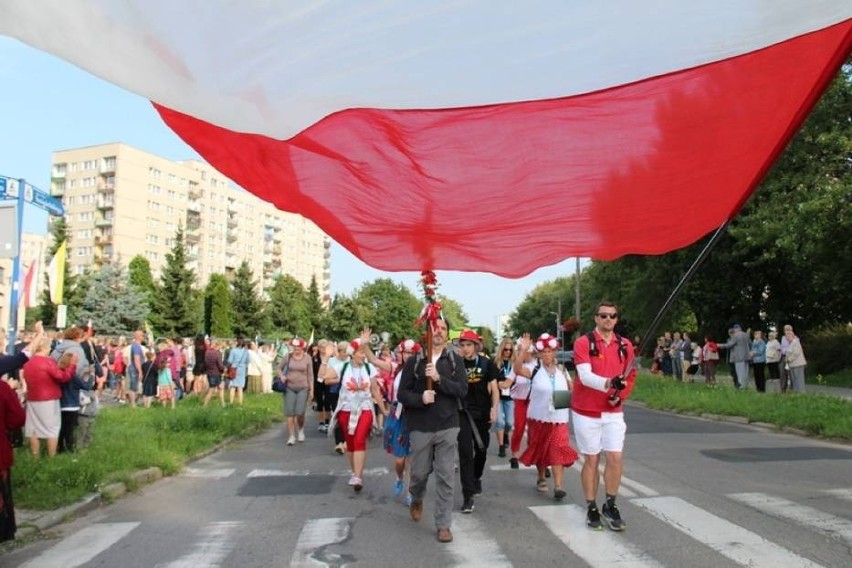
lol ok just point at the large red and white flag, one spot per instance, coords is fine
(472, 135)
(29, 289)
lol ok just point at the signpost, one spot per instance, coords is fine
(10, 188)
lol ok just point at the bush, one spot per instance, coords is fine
(829, 349)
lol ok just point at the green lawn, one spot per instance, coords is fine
(819, 415)
(126, 440)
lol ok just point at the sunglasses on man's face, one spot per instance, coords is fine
(610, 316)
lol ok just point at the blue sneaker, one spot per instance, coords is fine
(408, 500)
(398, 487)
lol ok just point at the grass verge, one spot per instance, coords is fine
(816, 414)
(126, 440)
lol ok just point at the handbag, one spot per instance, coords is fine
(561, 399)
(231, 372)
(279, 384)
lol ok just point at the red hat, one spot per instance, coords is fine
(354, 346)
(546, 341)
(298, 342)
(470, 335)
(408, 345)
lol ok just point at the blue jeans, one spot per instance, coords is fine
(505, 414)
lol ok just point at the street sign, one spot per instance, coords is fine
(9, 189)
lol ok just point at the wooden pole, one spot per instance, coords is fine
(428, 352)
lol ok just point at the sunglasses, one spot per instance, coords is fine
(610, 316)
(509, 349)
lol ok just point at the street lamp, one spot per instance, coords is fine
(558, 315)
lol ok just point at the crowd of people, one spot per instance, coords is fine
(435, 404)
(747, 353)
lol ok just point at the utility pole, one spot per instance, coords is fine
(577, 289)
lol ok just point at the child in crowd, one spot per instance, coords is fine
(165, 386)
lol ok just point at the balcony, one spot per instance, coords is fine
(107, 166)
(105, 222)
(193, 223)
(231, 236)
(277, 237)
(101, 240)
(107, 203)
(106, 187)
(58, 172)
(326, 244)
(232, 221)
(192, 235)
(193, 207)
(326, 255)
(195, 191)
(276, 249)
(57, 187)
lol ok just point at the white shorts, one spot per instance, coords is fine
(595, 434)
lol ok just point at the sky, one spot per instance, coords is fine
(47, 104)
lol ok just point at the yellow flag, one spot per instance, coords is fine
(56, 274)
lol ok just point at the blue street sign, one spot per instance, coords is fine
(2, 187)
(45, 201)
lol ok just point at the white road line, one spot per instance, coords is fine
(207, 473)
(638, 487)
(840, 493)
(473, 545)
(732, 541)
(807, 516)
(214, 543)
(82, 546)
(371, 472)
(319, 533)
(598, 549)
(507, 467)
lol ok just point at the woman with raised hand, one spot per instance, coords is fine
(547, 415)
(359, 391)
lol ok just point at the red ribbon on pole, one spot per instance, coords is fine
(430, 314)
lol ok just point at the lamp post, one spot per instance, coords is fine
(558, 315)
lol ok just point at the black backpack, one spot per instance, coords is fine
(593, 346)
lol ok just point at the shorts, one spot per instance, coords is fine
(213, 381)
(596, 434)
(132, 383)
(295, 402)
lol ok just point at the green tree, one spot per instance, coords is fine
(114, 306)
(175, 302)
(217, 307)
(386, 306)
(454, 312)
(249, 316)
(288, 307)
(140, 276)
(315, 306)
(344, 322)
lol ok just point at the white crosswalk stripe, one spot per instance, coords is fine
(732, 541)
(214, 543)
(318, 534)
(220, 473)
(469, 529)
(801, 514)
(368, 472)
(845, 493)
(82, 546)
(568, 523)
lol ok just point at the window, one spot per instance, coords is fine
(152, 239)
(108, 164)
(153, 206)
(70, 200)
(170, 210)
(154, 173)
(84, 234)
(72, 183)
(154, 189)
(72, 167)
(59, 169)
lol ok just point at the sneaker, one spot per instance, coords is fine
(321, 428)
(513, 463)
(356, 483)
(291, 440)
(301, 436)
(398, 486)
(477, 487)
(445, 535)
(613, 517)
(340, 448)
(467, 506)
(593, 519)
(501, 453)
(408, 500)
(559, 494)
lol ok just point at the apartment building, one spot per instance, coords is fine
(121, 202)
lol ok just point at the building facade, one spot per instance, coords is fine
(33, 253)
(121, 202)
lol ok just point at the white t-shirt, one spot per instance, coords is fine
(541, 398)
(355, 387)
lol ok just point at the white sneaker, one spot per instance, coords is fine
(301, 437)
(291, 440)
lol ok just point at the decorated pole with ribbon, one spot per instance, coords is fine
(430, 314)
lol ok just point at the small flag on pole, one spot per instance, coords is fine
(56, 274)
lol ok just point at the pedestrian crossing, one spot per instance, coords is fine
(327, 541)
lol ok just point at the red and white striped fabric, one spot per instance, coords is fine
(473, 135)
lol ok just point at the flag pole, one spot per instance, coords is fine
(430, 314)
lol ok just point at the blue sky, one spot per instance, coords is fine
(47, 105)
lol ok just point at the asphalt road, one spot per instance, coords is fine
(697, 493)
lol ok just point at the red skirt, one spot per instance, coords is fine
(548, 444)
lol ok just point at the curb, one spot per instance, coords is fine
(107, 494)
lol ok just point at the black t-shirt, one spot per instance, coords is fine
(480, 371)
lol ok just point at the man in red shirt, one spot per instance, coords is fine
(604, 363)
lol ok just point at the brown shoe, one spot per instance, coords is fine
(416, 510)
(444, 535)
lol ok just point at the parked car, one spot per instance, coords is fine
(565, 358)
